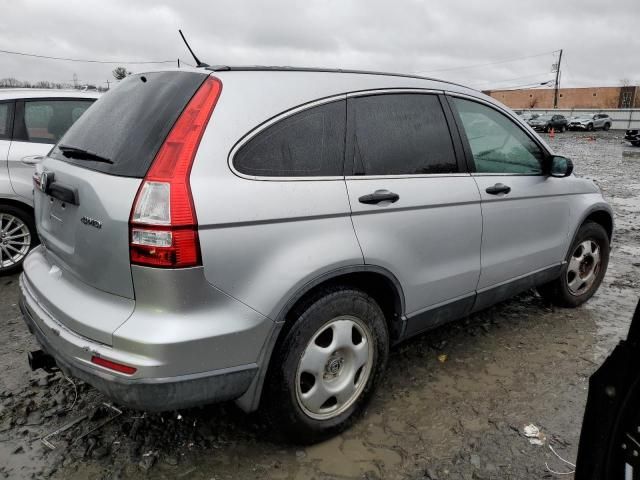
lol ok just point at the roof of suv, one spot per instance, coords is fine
(15, 93)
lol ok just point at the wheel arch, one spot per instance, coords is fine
(17, 204)
(600, 214)
(603, 218)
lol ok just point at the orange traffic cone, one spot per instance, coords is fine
(552, 133)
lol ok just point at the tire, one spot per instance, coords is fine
(606, 127)
(339, 315)
(590, 127)
(563, 128)
(580, 277)
(17, 231)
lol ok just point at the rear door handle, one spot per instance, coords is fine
(379, 196)
(497, 189)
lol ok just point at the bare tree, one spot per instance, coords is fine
(120, 72)
(10, 82)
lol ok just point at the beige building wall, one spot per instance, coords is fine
(597, 97)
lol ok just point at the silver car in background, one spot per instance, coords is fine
(265, 235)
(31, 122)
(590, 121)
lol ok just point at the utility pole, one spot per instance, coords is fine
(178, 63)
(108, 84)
(555, 94)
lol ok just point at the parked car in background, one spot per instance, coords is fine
(548, 121)
(31, 122)
(633, 137)
(216, 244)
(590, 121)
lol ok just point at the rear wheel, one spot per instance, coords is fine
(606, 127)
(17, 237)
(584, 268)
(563, 128)
(327, 366)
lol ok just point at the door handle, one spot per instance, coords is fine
(32, 160)
(379, 196)
(497, 189)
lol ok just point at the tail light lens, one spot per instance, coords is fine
(163, 228)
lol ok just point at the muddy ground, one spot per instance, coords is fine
(520, 362)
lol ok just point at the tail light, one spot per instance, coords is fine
(163, 228)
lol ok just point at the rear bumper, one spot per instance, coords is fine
(155, 394)
(190, 343)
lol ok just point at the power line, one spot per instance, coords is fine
(23, 54)
(487, 64)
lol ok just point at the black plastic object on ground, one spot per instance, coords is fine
(610, 439)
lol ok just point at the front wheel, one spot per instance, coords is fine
(326, 368)
(590, 127)
(17, 237)
(583, 270)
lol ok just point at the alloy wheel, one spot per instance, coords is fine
(334, 367)
(15, 240)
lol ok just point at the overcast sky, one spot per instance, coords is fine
(600, 38)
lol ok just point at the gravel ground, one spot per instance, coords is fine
(520, 362)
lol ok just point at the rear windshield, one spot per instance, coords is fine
(124, 130)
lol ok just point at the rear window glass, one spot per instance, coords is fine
(129, 123)
(45, 121)
(309, 143)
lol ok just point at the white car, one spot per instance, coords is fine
(31, 122)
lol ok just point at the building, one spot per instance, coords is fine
(570, 98)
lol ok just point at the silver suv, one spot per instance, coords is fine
(590, 121)
(31, 122)
(265, 235)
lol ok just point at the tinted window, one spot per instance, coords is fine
(497, 143)
(45, 121)
(5, 120)
(399, 135)
(309, 143)
(129, 123)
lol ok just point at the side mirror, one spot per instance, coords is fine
(560, 167)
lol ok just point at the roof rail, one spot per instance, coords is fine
(252, 68)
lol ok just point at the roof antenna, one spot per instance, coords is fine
(198, 62)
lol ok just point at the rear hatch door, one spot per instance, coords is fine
(86, 186)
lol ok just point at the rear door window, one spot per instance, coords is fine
(306, 144)
(497, 143)
(399, 134)
(129, 123)
(45, 121)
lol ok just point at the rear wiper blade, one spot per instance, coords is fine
(80, 154)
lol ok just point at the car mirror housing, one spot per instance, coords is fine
(560, 167)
